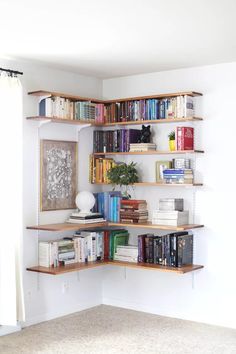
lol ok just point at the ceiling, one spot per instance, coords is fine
(106, 38)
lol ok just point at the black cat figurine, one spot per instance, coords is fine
(145, 135)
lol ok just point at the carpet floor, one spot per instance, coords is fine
(112, 330)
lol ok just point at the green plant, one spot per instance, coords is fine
(123, 175)
(171, 135)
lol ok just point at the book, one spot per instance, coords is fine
(81, 221)
(184, 138)
(171, 204)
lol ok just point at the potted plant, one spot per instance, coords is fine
(123, 175)
(171, 137)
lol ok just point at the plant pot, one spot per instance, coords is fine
(172, 145)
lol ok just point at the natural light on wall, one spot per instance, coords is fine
(11, 297)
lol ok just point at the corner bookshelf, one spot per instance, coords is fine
(61, 227)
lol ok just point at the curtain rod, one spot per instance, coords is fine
(12, 71)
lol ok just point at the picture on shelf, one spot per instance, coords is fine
(58, 175)
(160, 167)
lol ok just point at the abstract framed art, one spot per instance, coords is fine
(58, 175)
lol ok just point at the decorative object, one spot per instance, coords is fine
(85, 202)
(171, 137)
(145, 136)
(123, 175)
(160, 167)
(58, 175)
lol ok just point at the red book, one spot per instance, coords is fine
(132, 201)
(106, 245)
(185, 138)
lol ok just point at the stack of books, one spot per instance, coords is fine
(170, 204)
(170, 218)
(78, 218)
(126, 254)
(108, 204)
(133, 211)
(174, 249)
(178, 175)
(170, 213)
(142, 147)
(98, 167)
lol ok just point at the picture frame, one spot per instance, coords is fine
(58, 174)
(160, 167)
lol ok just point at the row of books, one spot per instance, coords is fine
(98, 167)
(174, 249)
(133, 211)
(149, 109)
(178, 163)
(64, 108)
(115, 140)
(108, 204)
(82, 247)
(177, 175)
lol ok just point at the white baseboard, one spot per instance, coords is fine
(4, 330)
(162, 312)
(59, 313)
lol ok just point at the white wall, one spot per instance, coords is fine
(207, 295)
(43, 294)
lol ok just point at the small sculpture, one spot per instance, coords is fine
(145, 136)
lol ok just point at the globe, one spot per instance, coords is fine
(85, 201)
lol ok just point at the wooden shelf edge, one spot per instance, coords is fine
(64, 121)
(80, 98)
(149, 225)
(155, 121)
(66, 226)
(83, 266)
(155, 152)
(153, 184)
(64, 95)
(73, 227)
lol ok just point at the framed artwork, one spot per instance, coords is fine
(58, 175)
(160, 167)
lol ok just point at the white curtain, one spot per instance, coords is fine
(11, 162)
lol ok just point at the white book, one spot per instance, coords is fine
(89, 221)
(44, 254)
(174, 214)
(127, 252)
(125, 258)
(169, 222)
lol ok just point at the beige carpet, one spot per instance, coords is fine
(111, 330)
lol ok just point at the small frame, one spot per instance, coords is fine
(160, 167)
(58, 175)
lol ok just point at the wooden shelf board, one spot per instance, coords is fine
(80, 98)
(162, 95)
(149, 225)
(151, 266)
(64, 121)
(82, 266)
(65, 95)
(66, 269)
(66, 226)
(155, 152)
(156, 121)
(158, 184)
(73, 227)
